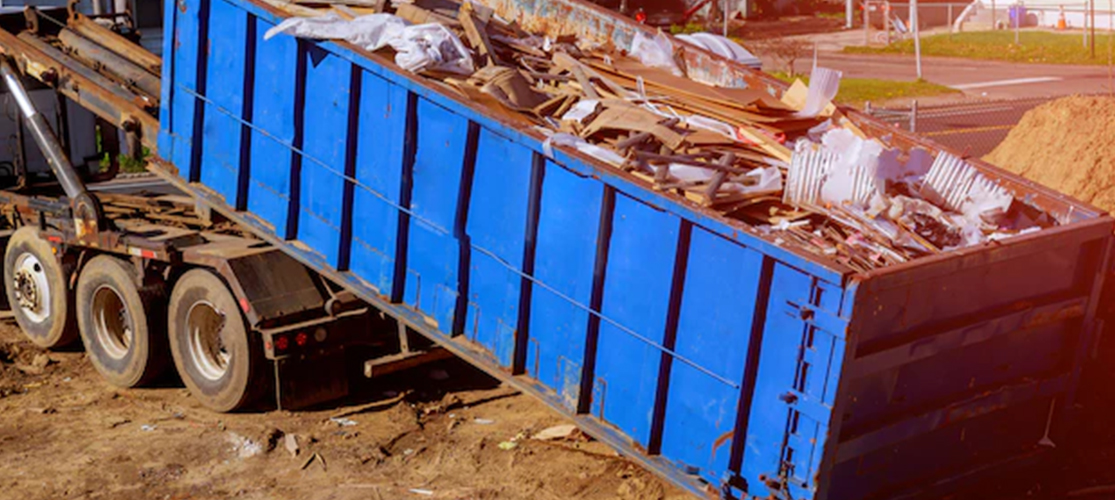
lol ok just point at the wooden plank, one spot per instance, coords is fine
(293, 9)
(477, 33)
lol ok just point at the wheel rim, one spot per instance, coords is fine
(112, 324)
(32, 288)
(205, 325)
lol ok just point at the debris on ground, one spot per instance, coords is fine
(290, 442)
(343, 422)
(557, 432)
(271, 438)
(1067, 145)
(315, 457)
(192, 458)
(243, 447)
(792, 166)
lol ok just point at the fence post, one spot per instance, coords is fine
(950, 18)
(867, 108)
(914, 116)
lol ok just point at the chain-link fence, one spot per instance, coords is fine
(973, 128)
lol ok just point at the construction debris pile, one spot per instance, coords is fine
(794, 168)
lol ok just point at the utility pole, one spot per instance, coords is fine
(917, 36)
(1017, 23)
(1092, 4)
(994, 25)
(1085, 27)
(849, 13)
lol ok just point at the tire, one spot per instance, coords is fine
(35, 284)
(220, 362)
(121, 327)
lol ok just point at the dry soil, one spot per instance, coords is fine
(435, 432)
(1067, 144)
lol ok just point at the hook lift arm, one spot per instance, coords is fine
(86, 210)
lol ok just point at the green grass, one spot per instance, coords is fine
(857, 91)
(1034, 47)
(685, 29)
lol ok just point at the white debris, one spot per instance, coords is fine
(343, 422)
(555, 432)
(655, 52)
(243, 447)
(598, 152)
(724, 47)
(824, 83)
(419, 47)
(583, 109)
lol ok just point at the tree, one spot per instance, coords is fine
(784, 51)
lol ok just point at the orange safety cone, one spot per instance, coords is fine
(1061, 24)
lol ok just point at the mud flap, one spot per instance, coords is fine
(301, 382)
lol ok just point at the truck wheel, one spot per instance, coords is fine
(116, 322)
(222, 365)
(36, 289)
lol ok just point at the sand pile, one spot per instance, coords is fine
(1068, 145)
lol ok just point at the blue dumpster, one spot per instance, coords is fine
(709, 353)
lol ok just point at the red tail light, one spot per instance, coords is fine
(281, 342)
(301, 339)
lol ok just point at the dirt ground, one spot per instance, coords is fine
(1066, 144)
(442, 431)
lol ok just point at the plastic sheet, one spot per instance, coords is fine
(570, 140)
(656, 52)
(723, 47)
(419, 47)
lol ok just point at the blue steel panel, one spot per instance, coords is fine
(636, 295)
(566, 253)
(821, 358)
(379, 164)
(184, 51)
(622, 182)
(497, 222)
(170, 39)
(433, 252)
(717, 309)
(273, 116)
(769, 414)
(326, 135)
(774, 429)
(225, 86)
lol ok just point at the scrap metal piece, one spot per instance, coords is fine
(809, 167)
(952, 183)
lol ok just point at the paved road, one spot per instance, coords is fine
(995, 94)
(990, 79)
